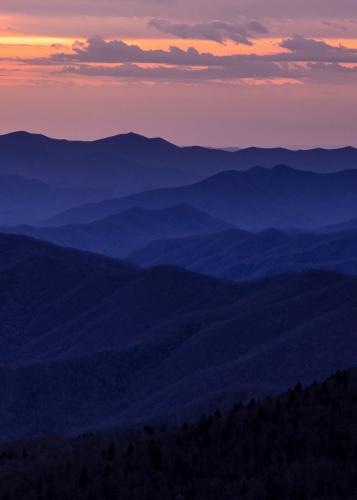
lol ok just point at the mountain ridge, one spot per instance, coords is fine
(137, 136)
(105, 341)
(24, 199)
(118, 235)
(76, 163)
(258, 198)
(239, 255)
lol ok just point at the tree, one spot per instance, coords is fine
(156, 458)
(84, 478)
(111, 452)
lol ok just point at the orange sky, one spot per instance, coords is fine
(15, 46)
(22, 45)
(250, 107)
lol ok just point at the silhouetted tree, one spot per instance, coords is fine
(111, 452)
(84, 478)
(156, 458)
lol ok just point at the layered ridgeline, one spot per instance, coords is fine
(301, 445)
(120, 234)
(257, 199)
(186, 237)
(90, 342)
(131, 163)
(240, 255)
(24, 200)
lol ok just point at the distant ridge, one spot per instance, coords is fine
(136, 138)
(259, 198)
(129, 163)
(26, 200)
(120, 234)
(240, 255)
(132, 139)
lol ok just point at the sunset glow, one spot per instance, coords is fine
(136, 49)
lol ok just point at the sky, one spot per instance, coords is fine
(227, 73)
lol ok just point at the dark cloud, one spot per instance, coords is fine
(98, 50)
(217, 31)
(268, 71)
(307, 49)
(248, 69)
(304, 59)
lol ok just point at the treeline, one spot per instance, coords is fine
(300, 446)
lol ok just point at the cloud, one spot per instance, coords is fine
(248, 69)
(99, 50)
(308, 49)
(266, 71)
(217, 31)
(304, 59)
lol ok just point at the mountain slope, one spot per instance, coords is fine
(118, 235)
(259, 198)
(58, 302)
(298, 445)
(89, 342)
(27, 200)
(240, 255)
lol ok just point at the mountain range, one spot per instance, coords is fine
(123, 233)
(91, 342)
(41, 177)
(239, 255)
(186, 237)
(238, 280)
(130, 163)
(259, 198)
(24, 200)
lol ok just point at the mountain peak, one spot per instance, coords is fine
(132, 139)
(282, 167)
(223, 177)
(25, 138)
(23, 135)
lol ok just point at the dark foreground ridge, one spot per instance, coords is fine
(301, 445)
(88, 342)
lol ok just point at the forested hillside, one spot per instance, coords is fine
(301, 445)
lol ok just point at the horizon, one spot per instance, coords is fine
(202, 72)
(228, 148)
